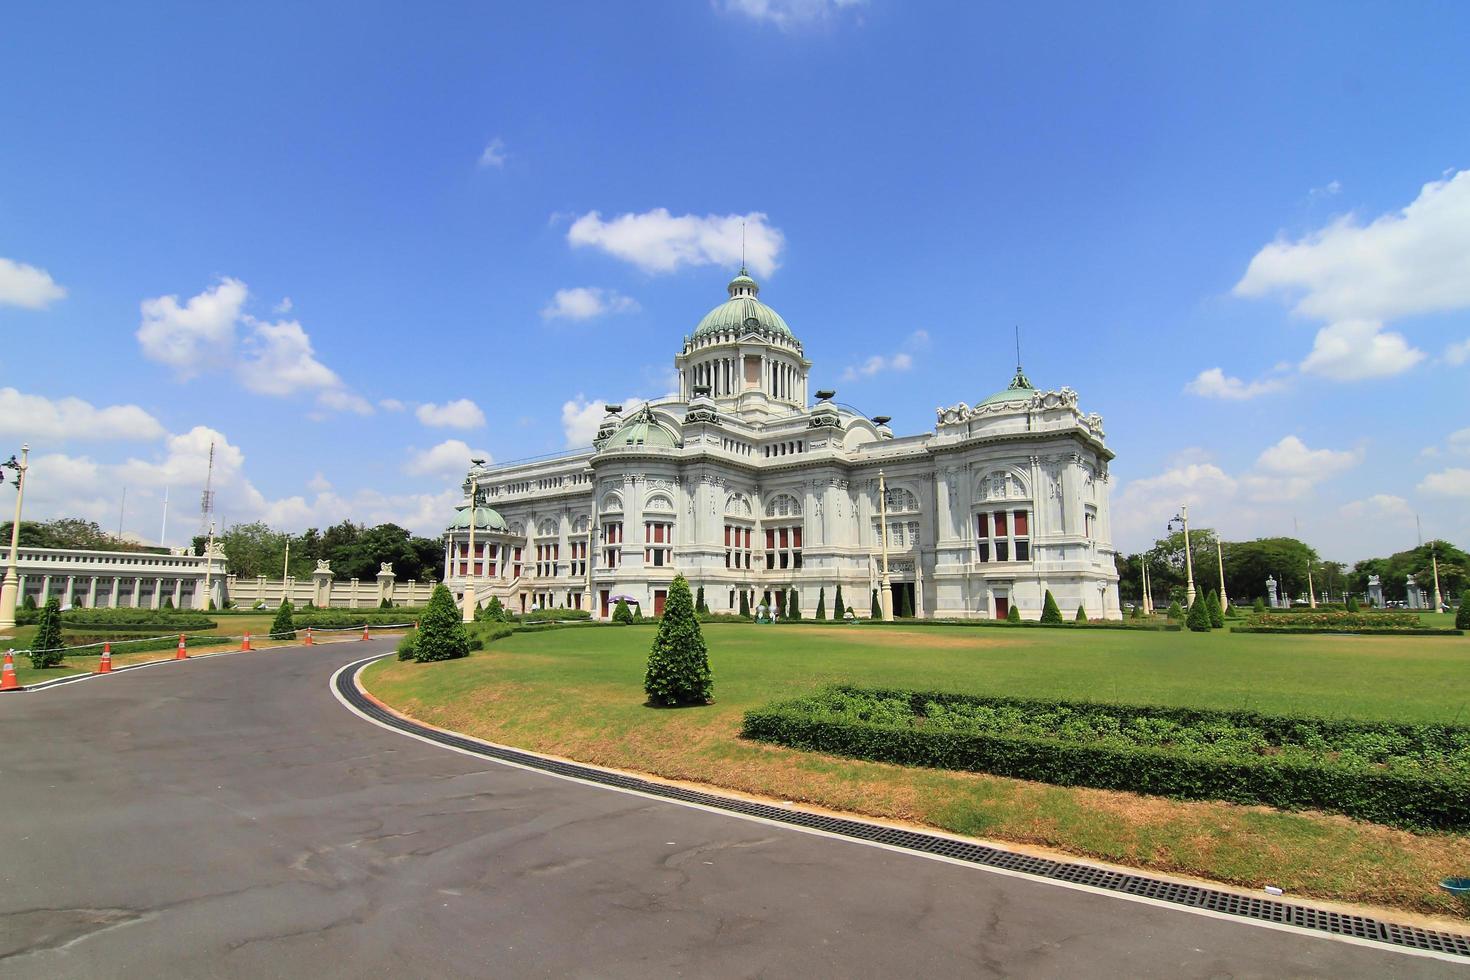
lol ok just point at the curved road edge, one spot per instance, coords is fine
(1291, 917)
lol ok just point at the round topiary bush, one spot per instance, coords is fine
(678, 664)
(1462, 617)
(1013, 615)
(441, 631)
(1175, 612)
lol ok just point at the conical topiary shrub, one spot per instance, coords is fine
(46, 648)
(621, 612)
(442, 634)
(699, 605)
(744, 603)
(1081, 614)
(1198, 619)
(494, 611)
(838, 606)
(678, 665)
(821, 604)
(1213, 610)
(1050, 613)
(1352, 603)
(1175, 611)
(283, 627)
(877, 611)
(638, 615)
(907, 612)
(793, 606)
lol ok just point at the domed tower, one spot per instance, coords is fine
(744, 357)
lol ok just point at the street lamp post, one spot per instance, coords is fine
(1438, 596)
(208, 562)
(286, 570)
(1220, 558)
(11, 587)
(1183, 520)
(886, 588)
(588, 602)
(469, 582)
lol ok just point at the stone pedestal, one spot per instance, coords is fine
(385, 583)
(321, 584)
(1375, 592)
(1272, 599)
(1412, 588)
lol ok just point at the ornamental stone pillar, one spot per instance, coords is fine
(321, 584)
(385, 582)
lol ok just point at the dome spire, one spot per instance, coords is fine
(1020, 381)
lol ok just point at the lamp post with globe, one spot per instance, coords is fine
(1182, 519)
(469, 582)
(9, 590)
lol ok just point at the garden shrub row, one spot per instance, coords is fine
(1368, 620)
(1290, 629)
(138, 646)
(1415, 776)
(324, 619)
(137, 619)
(1094, 624)
(551, 615)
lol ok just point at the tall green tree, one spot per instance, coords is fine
(442, 634)
(678, 663)
(46, 648)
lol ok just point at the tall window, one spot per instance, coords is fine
(578, 566)
(516, 563)
(658, 540)
(737, 546)
(546, 558)
(612, 539)
(1001, 534)
(783, 547)
(903, 520)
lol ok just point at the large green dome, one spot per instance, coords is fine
(742, 310)
(1019, 390)
(485, 519)
(642, 429)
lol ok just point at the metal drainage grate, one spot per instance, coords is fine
(1192, 896)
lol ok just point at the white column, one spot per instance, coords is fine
(178, 591)
(112, 593)
(157, 596)
(66, 597)
(92, 592)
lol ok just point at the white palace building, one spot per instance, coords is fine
(744, 482)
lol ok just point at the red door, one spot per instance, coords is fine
(659, 595)
(1002, 607)
(604, 595)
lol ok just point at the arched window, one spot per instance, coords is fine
(612, 502)
(901, 501)
(1002, 518)
(738, 505)
(783, 505)
(659, 502)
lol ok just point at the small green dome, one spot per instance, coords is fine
(742, 310)
(485, 519)
(1019, 390)
(642, 429)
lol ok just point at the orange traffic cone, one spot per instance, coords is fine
(308, 636)
(364, 631)
(183, 654)
(104, 666)
(8, 680)
(245, 643)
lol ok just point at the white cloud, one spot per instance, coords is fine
(1355, 350)
(1291, 457)
(1460, 441)
(460, 414)
(1380, 506)
(450, 457)
(284, 306)
(586, 302)
(391, 405)
(656, 241)
(1357, 277)
(1215, 383)
(581, 416)
(1452, 482)
(43, 419)
(196, 336)
(275, 359)
(27, 286)
(319, 483)
(1458, 353)
(1331, 189)
(494, 153)
(899, 361)
(787, 14)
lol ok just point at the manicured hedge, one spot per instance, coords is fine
(1431, 797)
(140, 646)
(1366, 620)
(323, 619)
(1349, 630)
(1094, 624)
(133, 620)
(551, 615)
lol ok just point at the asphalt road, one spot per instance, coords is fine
(227, 817)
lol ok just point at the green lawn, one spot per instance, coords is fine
(578, 693)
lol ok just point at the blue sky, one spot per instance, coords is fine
(352, 244)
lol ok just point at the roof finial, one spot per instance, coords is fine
(742, 247)
(1018, 348)
(1020, 381)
